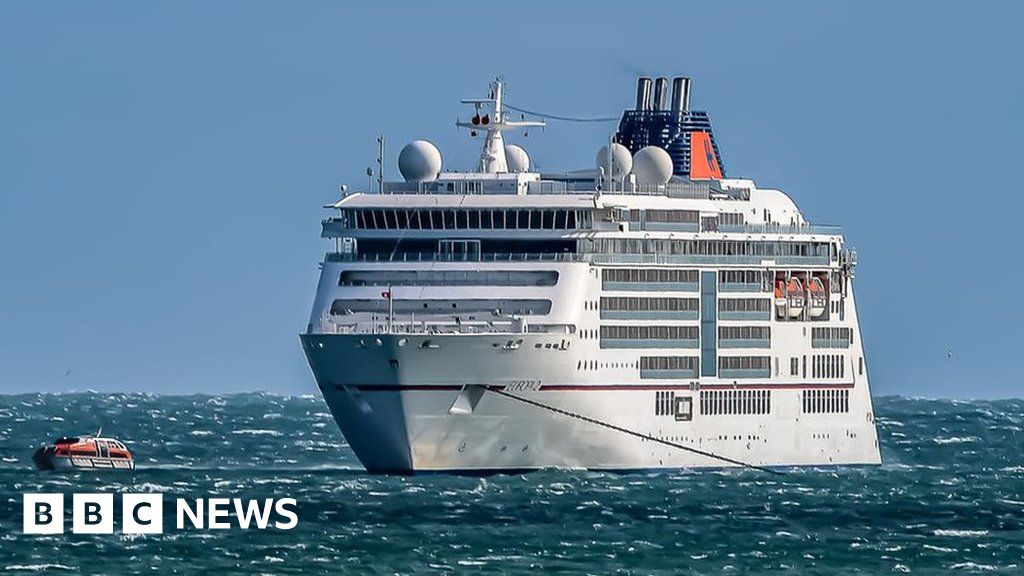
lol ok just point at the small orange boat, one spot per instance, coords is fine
(780, 298)
(84, 452)
(817, 297)
(795, 297)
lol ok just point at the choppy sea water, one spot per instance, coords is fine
(948, 499)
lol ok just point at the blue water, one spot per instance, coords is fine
(948, 499)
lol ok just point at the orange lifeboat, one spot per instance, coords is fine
(84, 452)
(795, 297)
(780, 298)
(817, 297)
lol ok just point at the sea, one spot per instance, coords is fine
(948, 499)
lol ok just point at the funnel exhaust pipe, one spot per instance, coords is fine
(660, 94)
(680, 94)
(643, 94)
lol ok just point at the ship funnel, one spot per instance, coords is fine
(643, 94)
(660, 94)
(680, 94)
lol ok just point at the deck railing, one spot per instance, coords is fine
(648, 259)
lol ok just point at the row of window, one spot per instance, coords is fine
(831, 337)
(596, 365)
(730, 218)
(671, 216)
(631, 304)
(685, 217)
(744, 363)
(729, 402)
(459, 219)
(743, 277)
(448, 278)
(828, 366)
(648, 275)
(664, 403)
(650, 332)
(744, 333)
(826, 401)
(708, 247)
(744, 305)
(489, 307)
(669, 363)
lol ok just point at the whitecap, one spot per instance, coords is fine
(257, 432)
(937, 548)
(961, 533)
(955, 440)
(973, 566)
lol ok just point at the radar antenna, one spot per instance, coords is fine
(492, 157)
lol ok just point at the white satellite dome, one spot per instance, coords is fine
(517, 158)
(622, 161)
(652, 166)
(419, 161)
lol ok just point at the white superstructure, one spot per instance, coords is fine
(505, 319)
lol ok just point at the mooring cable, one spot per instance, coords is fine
(635, 433)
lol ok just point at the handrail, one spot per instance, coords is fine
(597, 258)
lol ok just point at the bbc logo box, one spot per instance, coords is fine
(93, 514)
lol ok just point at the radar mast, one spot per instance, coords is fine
(492, 120)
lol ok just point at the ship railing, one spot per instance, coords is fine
(440, 257)
(690, 190)
(596, 258)
(408, 324)
(779, 229)
(708, 259)
(679, 188)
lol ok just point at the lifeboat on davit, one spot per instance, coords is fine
(795, 297)
(780, 298)
(84, 452)
(817, 297)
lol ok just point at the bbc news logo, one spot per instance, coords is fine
(144, 513)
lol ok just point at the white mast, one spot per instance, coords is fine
(492, 157)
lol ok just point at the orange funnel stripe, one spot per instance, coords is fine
(703, 163)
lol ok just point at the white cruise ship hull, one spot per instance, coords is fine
(405, 405)
(646, 313)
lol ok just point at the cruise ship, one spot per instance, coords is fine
(644, 312)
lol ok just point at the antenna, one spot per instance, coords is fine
(380, 164)
(492, 157)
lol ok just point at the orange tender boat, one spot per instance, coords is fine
(795, 295)
(84, 452)
(817, 297)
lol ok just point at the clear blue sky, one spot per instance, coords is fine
(162, 166)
